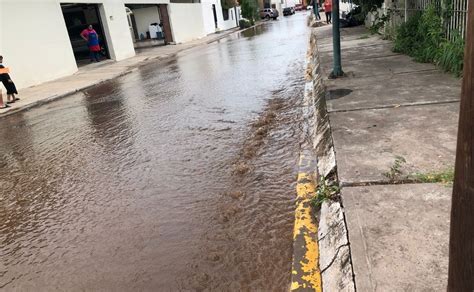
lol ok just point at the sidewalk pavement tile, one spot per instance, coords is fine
(384, 91)
(366, 142)
(399, 236)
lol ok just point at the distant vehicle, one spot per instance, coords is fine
(345, 8)
(350, 18)
(288, 11)
(299, 7)
(268, 13)
(293, 11)
(309, 7)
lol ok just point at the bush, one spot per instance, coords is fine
(431, 33)
(244, 23)
(422, 37)
(406, 39)
(249, 10)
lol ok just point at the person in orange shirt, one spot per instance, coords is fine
(328, 10)
(8, 83)
(2, 104)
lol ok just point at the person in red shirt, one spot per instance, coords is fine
(328, 10)
(92, 39)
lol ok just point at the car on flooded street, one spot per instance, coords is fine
(268, 13)
(288, 11)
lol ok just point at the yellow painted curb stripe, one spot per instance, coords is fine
(306, 275)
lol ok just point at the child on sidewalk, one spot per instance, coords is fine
(8, 83)
(2, 105)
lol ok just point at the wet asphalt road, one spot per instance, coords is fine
(179, 176)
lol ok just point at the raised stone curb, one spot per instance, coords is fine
(305, 272)
(335, 259)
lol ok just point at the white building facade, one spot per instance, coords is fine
(40, 39)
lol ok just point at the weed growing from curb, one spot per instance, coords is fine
(324, 191)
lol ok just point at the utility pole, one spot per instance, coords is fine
(406, 10)
(461, 244)
(336, 41)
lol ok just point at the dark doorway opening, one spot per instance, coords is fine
(215, 14)
(78, 17)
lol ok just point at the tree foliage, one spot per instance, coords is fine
(249, 10)
(423, 38)
(228, 4)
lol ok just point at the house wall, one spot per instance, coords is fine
(186, 21)
(208, 17)
(115, 22)
(34, 58)
(232, 22)
(144, 17)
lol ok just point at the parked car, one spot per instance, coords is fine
(345, 7)
(268, 13)
(287, 11)
(351, 18)
(299, 7)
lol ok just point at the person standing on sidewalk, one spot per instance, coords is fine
(8, 83)
(328, 10)
(92, 39)
(316, 4)
(2, 104)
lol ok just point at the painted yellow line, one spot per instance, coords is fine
(305, 275)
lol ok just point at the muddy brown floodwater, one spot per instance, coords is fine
(179, 176)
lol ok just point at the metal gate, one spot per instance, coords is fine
(454, 13)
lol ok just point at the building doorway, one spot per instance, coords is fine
(78, 17)
(149, 25)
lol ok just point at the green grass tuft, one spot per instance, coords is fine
(445, 177)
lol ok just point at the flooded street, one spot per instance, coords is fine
(179, 176)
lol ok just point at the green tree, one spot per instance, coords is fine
(249, 10)
(228, 4)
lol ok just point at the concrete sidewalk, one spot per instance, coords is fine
(97, 73)
(388, 106)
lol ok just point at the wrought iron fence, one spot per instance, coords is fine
(454, 13)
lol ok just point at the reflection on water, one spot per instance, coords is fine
(179, 176)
